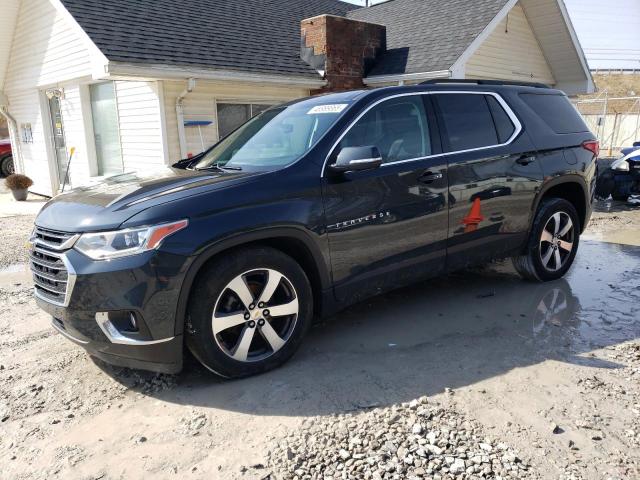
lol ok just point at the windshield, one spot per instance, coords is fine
(275, 138)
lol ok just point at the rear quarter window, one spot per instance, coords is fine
(556, 111)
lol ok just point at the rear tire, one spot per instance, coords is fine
(6, 166)
(553, 242)
(248, 312)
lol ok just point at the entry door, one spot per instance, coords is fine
(493, 177)
(106, 128)
(59, 143)
(388, 226)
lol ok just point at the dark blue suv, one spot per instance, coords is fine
(307, 208)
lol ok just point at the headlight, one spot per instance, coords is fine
(120, 243)
(620, 165)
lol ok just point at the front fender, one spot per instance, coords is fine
(320, 259)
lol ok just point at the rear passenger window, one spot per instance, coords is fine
(556, 111)
(504, 125)
(467, 120)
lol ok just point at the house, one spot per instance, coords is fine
(133, 85)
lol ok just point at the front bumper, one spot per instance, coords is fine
(146, 286)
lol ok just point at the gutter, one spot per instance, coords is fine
(182, 138)
(167, 72)
(16, 150)
(405, 77)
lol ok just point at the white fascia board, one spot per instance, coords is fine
(578, 47)
(405, 77)
(458, 67)
(116, 70)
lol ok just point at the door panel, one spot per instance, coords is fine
(492, 180)
(491, 196)
(388, 226)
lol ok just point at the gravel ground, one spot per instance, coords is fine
(476, 375)
(15, 232)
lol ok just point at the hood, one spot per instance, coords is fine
(106, 205)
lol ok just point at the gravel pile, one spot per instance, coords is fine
(415, 440)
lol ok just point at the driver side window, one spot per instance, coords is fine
(398, 127)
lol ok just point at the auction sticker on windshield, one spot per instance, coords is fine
(331, 108)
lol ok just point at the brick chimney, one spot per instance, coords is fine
(341, 49)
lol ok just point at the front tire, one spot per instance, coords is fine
(553, 242)
(248, 312)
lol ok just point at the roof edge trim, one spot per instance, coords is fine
(175, 72)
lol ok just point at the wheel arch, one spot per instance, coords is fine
(291, 241)
(572, 188)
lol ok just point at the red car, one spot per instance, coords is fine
(6, 158)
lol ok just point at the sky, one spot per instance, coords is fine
(608, 30)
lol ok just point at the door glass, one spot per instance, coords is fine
(398, 127)
(106, 128)
(59, 143)
(467, 120)
(504, 126)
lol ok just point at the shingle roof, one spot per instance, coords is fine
(427, 35)
(259, 36)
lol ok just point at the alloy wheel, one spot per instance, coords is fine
(255, 315)
(556, 241)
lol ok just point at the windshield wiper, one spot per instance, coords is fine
(217, 166)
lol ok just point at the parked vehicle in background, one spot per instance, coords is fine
(6, 158)
(628, 150)
(620, 178)
(307, 208)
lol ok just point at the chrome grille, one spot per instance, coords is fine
(53, 276)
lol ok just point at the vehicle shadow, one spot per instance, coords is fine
(446, 333)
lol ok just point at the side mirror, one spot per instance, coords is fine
(351, 159)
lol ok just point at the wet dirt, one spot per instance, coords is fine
(552, 369)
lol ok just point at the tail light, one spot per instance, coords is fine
(593, 146)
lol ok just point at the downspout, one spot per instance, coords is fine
(16, 149)
(182, 138)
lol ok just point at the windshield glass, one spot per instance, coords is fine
(275, 138)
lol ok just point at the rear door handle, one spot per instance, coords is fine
(525, 159)
(429, 177)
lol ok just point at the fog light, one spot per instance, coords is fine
(124, 321)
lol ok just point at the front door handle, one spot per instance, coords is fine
(429, 177)
(525, 159)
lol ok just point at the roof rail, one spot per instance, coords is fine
(436, 81)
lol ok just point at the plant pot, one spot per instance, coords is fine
(20, 194)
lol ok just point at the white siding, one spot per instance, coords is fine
(46, 48)
(7, 27)
(140, 125)
(555, 37)
(25, 107)
(510, 52)
(201, 105)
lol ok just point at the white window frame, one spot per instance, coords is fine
(512, 116)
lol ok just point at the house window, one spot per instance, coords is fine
(232, 115)
(106, 128)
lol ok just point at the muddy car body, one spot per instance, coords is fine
(308, 208)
